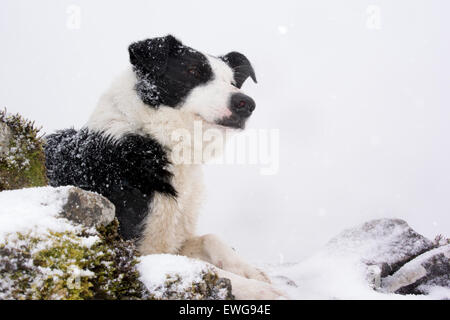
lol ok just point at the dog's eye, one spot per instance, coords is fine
(234, 84)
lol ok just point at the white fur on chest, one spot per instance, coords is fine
(170, 221)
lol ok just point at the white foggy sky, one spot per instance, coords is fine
(363, 114)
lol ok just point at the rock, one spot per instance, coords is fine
(384, 245)
(87, 208)
(22, 160)
(80, 264)
(396, 258)
(430, 269)
(175, 277)
(43, 255)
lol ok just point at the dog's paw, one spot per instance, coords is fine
(249, 289)
(256, 274)
(249, 272)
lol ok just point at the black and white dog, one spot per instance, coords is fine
(123, 152)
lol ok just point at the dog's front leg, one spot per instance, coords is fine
(247, 281)
(211, 249)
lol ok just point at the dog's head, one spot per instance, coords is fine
(178, 76)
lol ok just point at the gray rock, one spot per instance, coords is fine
(88, 208)
(428, 270)
(384, 245)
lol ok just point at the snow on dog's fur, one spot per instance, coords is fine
(123, 152)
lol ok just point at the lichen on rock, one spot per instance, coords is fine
(22, 161)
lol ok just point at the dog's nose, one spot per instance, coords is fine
(242, 104)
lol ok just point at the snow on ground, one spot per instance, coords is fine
(33, 210)
(326, 277)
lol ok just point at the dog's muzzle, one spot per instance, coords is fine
(241, 107)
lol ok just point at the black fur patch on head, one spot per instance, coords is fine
(128, 171)
(167, 70)
(241, 66)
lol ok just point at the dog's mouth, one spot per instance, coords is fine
(234, 122)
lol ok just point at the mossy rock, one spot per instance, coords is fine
(210, 287)
(22, 160)
(90, 264)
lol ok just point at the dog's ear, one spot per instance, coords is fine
(150, 56)
(241, 66)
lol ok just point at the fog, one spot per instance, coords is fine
(359, 91)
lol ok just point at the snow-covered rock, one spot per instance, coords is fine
(37, 210)
(356, 264)
(44, 255)
(33, 211)
(177, 277)
(383, 243)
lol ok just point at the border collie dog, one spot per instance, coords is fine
(124, 151)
